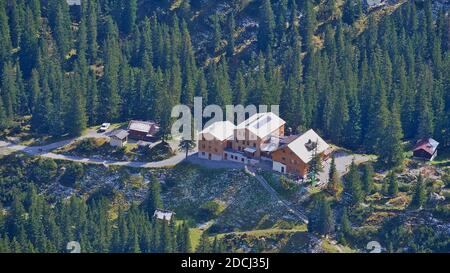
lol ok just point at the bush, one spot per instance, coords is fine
(288, 185)
(442, 212)
(72, 175)
(208, 211)
(86, 146)
(446, 179)
(43, 170)
(158, 152)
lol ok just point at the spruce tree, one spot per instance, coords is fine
(153, 200)
(391, 150)
(367, 178)
(77, 119)
(334, 180)
(310, 25)
(110, 93)
(129, 16)
(204, 246)
(231, 25)
(3, 121)
(5, 37)
(322, 221)
(91, 18)
(392, 184)
(420, 193)
(352, 186)
(266, 35)
(217, 33)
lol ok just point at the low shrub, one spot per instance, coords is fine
(73, 173)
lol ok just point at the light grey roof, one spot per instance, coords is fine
(262, 124)
(163, 214)
(220, 130)
(120, 134)
(301, 145)
(141, 126)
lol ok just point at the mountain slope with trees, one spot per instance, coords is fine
(71, 67)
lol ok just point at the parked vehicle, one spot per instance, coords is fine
(104, 127)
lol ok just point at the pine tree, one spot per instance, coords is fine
(352, 186)
(353, 128)
(91, 18)
(92, 100)
(367, 178)
(266, 35)
(5, 37)
(240, 89)
(282, 17)
(9, 91)
(3, 120)
(231, 25)
(334, 180)
(424, 112)
(183, 239)
(153, 200)
(204, 246)
(186, 145)
(110, 93)
(77, 119)
(62, 29)
(322, 221)
(391, 153)
(420, 193)
(346, 227)
(392, 184)
(217, 33)
(310, 25)
(129, 16)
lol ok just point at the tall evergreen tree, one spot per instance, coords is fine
(420, 193)
(129, 16)
(323, 222)
(353, 185)
(391, 151)
(392, 184)
(153, 201)
(266, 35)
(334, 180)
(110, 93)
(367, 178)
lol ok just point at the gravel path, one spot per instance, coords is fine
(45, 151)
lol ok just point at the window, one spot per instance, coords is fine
(242, 159)
(254, 145)
(203, 153)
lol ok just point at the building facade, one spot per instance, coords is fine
(261, 138)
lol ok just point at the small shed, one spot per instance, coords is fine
(426, 149)
(166, 215)
(119, 138)
(142, 130)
